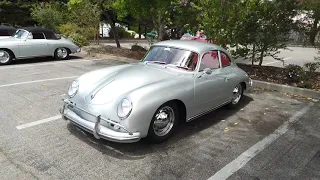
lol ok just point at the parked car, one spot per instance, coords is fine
(176, 81)
(35, 42)
(6, 31)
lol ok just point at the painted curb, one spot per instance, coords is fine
(287, 89)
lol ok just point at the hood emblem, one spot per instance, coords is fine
(98, 89)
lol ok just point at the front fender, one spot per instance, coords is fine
(147, 99)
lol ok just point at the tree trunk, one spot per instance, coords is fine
(253, 54)
(139, 31)
(314, 31)
(115, 34)
(261, 57)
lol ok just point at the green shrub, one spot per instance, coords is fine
(68, 29)
(295, 73)
(138, 48)
(312, 66)
(79, 40)
(121, 32)
(306, 84)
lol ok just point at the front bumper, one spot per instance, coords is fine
(96, 128)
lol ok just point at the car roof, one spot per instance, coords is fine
(195, 46)
(49, 33)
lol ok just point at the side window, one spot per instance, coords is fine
(225, 61)
(210, 60)
(37, 35)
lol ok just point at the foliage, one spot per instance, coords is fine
(49, 14)
(312, 66)
(311, 22)
(254, 28)
(296, 74)
(78, 39)
(121, 33)
(136, 47)
(68, 29)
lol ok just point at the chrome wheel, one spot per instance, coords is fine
(4, 57)
(62, 53)
(237, 93)
(164, 121)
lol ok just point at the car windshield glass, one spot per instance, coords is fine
(179, 58)
(21, 34)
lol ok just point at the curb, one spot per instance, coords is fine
(287, 89)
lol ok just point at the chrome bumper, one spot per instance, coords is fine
(96, 129)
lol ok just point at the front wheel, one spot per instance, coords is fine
(61, 53)
(236, 96)
(5, 57)
(163, 123)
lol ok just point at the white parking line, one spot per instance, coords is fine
(36, 81)
(49, 63)
(38, 122)
(246, 156)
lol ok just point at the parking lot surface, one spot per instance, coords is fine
(270, 136)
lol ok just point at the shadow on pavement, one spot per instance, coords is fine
(40, 60)
(142, 148)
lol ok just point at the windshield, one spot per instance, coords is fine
(21, 34)
(179, 58)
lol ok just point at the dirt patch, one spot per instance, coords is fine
(278, 75)
(136, 52)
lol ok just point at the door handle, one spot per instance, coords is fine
(227, 79)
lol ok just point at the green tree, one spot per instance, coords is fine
(311, 8)
(254, 28)
(49, 14)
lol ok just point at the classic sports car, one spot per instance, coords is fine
(175, 81)
(6, 31)
(35, 42)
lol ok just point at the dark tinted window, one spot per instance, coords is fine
(225, 61)
(37, 35)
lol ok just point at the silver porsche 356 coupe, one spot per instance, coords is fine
(35, 42)
(177, 80)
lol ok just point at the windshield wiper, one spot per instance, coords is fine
(157, 62)
(181, 67)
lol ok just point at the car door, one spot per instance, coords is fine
(231, 80)
(35, 45)
(209, 88)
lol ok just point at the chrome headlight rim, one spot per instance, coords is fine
(73, 89)
(125, 108)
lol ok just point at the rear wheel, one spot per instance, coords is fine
(163, 122)
(236, 96)
(5, 57)
(61, 53)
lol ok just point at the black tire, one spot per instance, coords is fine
(59, 57)
(154, 136)
(235, 103)
(6, 53)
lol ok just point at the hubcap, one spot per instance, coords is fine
(4, 56)
(62, 53)
(237, 93)
(164, 120)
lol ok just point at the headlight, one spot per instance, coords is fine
(73, 89)
(124, 108)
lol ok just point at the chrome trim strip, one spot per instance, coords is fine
(207, 111)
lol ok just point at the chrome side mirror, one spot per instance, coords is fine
(207, 71)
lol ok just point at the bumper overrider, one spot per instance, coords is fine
(96, 128)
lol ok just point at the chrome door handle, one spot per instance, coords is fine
(227, 78)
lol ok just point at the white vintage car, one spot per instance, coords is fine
(35, 42)
(177, 81)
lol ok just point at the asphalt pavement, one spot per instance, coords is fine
(270, 136)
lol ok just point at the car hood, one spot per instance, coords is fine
(107, 84)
